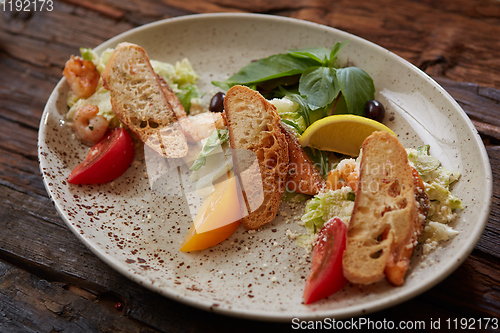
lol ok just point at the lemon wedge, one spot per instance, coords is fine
(342, 133)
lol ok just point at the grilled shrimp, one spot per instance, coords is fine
(346, 173)
(82, 76)
(88, 125)
(199, 127)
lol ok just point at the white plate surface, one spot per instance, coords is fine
(138, 231)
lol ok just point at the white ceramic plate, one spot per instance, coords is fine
(138, 231)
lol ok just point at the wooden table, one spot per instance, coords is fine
(457, 42)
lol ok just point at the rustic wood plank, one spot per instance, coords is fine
(34, 233)
(481, 104)
(462, 288)
(30, 304)
(19, 171)
(489, 240)
(26, 93)
(487, 130)
(19, 139)
(100, 8)
(459, 296)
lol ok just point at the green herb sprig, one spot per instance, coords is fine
(312, 78)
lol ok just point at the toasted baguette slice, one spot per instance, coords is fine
(385, 216)
(303, 177)
(172, 99)
(254, 126)
(139, 101)
(399, 260)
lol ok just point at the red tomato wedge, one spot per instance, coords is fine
(326, 277)
(106, 160)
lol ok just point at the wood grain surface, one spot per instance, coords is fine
(50, 282)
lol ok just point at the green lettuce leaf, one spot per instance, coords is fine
(437, 180)
(324, 206)
(215, 139)
(186, 94)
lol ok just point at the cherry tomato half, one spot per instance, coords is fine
(106, 160)
(326, 277)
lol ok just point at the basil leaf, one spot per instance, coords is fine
(272, 88)
(318, 54)
(282, 91)
(357, 88)
(272, 67)
(215, 139)
(315, 115)
(335, 52)
(319, 85)
(340, 106)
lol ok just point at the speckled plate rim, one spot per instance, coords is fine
(385, 302)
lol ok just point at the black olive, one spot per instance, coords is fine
(217, 102)
(374, 110)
